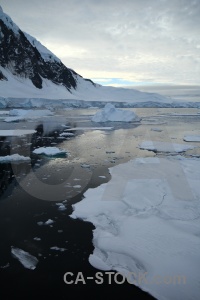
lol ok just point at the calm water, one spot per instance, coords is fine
(31, 191)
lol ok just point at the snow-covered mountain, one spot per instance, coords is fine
(30, 70)
(23, 56)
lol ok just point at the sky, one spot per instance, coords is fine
(117, 42)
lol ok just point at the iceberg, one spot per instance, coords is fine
(110, 113)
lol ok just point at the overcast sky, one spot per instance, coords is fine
(117, 41)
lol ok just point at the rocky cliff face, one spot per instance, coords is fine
(24, 56)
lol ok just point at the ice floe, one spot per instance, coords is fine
(26, 259)
(67, 134)
(89, 128)
(58, 249)
(157, 146)
(191, 138)
(5, 266)
(147, 220)
(13, 158)
(49, 151)
(22, 114)
(61, 206)
(48, 222)
(16, 132)
(156, 129)
(77, 186)
(37, 238)
(85, 166)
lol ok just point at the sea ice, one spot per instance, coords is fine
(164, 146)
(62, 207)
(156, 129)
(27, 260)
(191, 138)
(147, 220)
(58, 249)
(49, 151)
(13, 158)
(40, 223)
(16, 132)
(37, 238)
(49, 222)
(67, 134)
(85, 166)
(22, 114)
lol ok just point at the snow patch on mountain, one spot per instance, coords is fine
(8, 22)
(46, 54)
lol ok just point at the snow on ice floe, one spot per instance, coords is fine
(5, 266)
(156, 129)
(67, 134)
(16, 132)
(22, 114)
(89, 128)
(49, 151)
(191, 138)
(147, 220)
(27, 260)
(13, 158)
(58, 249)
(86, 166)
(4, 112)
(61, 206)
(164, 146)
(110, 113)
(37, 239)
(48, 222)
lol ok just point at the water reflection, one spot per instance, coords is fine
(47, 134)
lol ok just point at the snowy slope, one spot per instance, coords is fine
(17, 87)
(46, 54)
(8, 22)
(26, 58)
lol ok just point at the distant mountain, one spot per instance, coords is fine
(30, 70)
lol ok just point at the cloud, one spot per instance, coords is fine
(127, 39)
